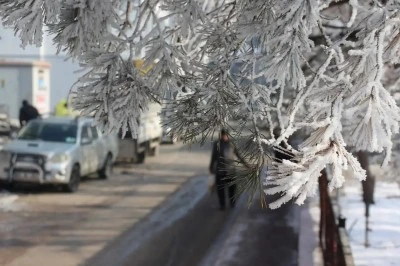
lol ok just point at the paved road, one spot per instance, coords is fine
(45, 227)
(156, 214)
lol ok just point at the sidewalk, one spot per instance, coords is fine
(258, 236)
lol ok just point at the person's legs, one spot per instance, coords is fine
(232, 194)
(219, 181)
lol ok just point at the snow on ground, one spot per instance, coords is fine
(9, 202)
(384, 237)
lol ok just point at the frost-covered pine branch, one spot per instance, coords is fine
(27, 18)
(252, 66)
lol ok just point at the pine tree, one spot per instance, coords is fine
(251, 66)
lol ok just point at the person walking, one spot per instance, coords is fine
(62, 108)
(27, 112)
(221, 165)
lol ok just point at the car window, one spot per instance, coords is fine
(85, 134)
(95, 134)
(52, 132)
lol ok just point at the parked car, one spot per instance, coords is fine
(58, 150)
(7, 128)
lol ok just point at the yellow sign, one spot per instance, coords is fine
(139, 64)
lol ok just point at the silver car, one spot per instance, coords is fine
(58, 150)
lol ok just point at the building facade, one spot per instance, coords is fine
(62, 71)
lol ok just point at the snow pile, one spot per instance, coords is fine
(384, 237)
(8, 202)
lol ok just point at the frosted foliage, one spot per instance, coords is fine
(27, 17)
(125, 92)
(313, 66)
(82, 24)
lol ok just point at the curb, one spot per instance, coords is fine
(310, 253)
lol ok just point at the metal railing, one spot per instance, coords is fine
(333, 239)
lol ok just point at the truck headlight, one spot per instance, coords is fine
(59, 158)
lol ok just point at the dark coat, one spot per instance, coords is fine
(27, 113)
(223, 163)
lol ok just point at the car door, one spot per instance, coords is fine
(99, 146)
(87, 151)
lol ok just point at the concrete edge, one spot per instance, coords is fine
(310, 253)
(343, 235)
(348, 255)
(150, 224)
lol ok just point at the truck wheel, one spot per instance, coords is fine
(74, 180)
(7, 186)
(141, 157)
(106, 171)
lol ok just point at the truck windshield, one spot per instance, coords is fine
(53, 132)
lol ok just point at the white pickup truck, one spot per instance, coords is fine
(148, 140)
(58, 151)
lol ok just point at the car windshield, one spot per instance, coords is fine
(53, 132)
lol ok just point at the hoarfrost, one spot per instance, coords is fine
(313, 66)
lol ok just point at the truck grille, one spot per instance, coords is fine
(30, 158)
(23, 170)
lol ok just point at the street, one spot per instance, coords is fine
(158, 213)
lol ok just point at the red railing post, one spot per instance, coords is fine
(328, 229)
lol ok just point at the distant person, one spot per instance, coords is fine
(221, 165)
(27, 112)
(62, 108)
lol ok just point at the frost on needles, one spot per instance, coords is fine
(252, 66)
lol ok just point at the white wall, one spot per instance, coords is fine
(62, 74)
(9, 84)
